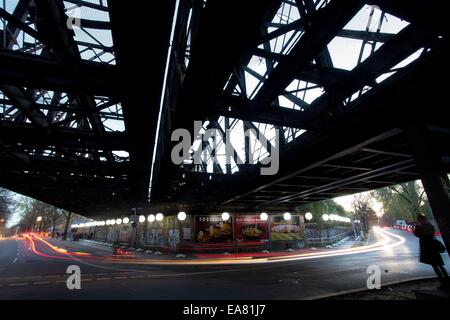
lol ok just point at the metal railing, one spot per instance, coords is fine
(328, 240)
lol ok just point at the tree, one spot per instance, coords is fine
(53, 215)
(411, 193)
(29, 209)
(5, 204)
(403, 201)
(362, 209)
(25, 207)
(5, 209)
(68, 216)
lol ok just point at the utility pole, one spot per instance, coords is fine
(135, 226)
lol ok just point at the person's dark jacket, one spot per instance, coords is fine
(429, 253)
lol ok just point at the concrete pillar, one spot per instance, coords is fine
(434, 179)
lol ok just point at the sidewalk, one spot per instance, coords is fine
(425, 289)
(346, 243)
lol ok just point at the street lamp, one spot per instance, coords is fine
(264, 216)
(325, 217)
(287, 216)
(308, 216)
(118, 221)
(159, 217)
(126, 220)
(141, 219)
(39, 219)
(182, 216)
(151, 218)
(225, 216)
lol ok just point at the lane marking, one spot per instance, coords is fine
(17, 284)
(41, 282)
(15, 260)
(101, 279)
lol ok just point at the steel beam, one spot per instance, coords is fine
(33, 71)
(324, 25)
(11, 133)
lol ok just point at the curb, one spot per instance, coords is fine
(341, 293)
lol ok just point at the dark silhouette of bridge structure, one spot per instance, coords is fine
(90, 93)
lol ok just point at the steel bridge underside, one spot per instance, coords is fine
(62, 152)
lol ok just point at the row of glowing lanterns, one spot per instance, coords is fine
(182, 216)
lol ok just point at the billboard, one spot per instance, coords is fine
(250, 228)
(283, 230)
(212, 229)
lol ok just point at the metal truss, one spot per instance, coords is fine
(66, 127)
(80, 98)
(282, 68)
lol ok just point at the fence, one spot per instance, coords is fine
(329, 238)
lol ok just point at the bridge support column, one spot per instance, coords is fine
(434, 178)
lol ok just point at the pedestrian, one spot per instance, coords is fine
(429, 251)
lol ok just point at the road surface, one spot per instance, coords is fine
(35, 269)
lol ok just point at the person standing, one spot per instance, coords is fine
(429, 252)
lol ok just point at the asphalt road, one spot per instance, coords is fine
(35, 270)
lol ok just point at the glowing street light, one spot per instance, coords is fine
(118, 221)
(287, 216)
(308, 216)
(225, 216)
(39, 219)
(151, 218)
(182, 216)
(264, 216)
(159, 217)
(126, 220)
(325, 217)
(141, 219)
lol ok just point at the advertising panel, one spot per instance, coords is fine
(212, 229)
(250, 228)
(283, 230)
